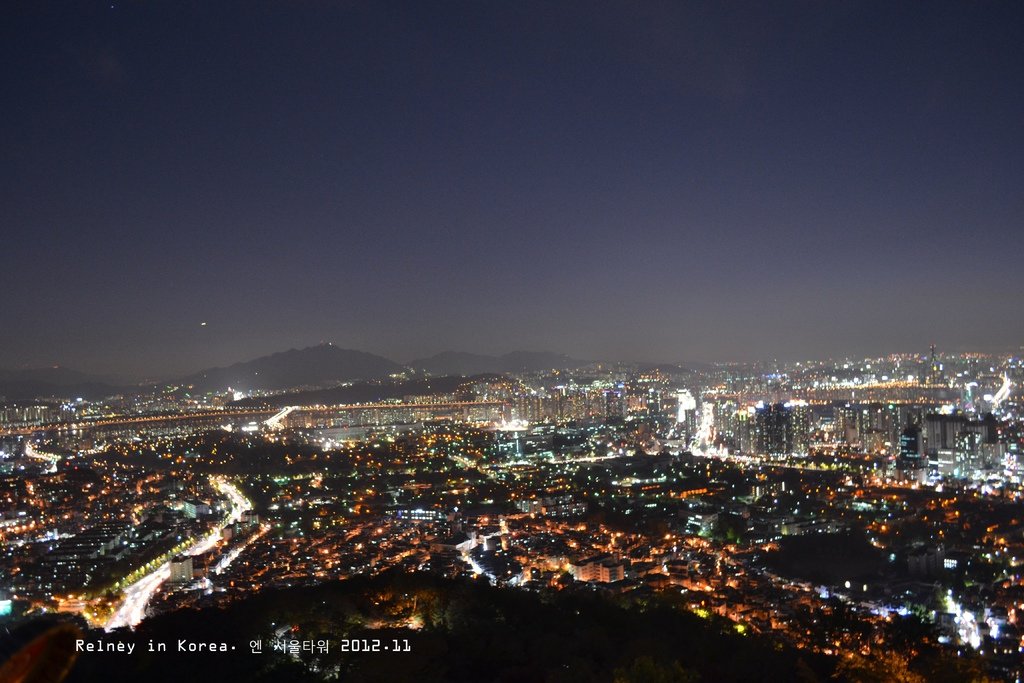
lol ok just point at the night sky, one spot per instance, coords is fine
(634, 180)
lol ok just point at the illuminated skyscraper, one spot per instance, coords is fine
(799, 419)
(615, 402)
(774, 428)
(934, 374)
(687, 417)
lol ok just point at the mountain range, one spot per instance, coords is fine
(321, 366)
(327, 365)
(53, 382)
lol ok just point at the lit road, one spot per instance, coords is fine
(1003, 393)
(52, 458)
(132, 609)
(966, 625)
(230, 557)
(277, 421)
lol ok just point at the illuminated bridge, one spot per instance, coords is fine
(272, 417)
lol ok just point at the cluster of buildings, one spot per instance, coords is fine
(725, 487)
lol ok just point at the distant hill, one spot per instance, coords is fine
(320, 365)
(460, 363)
(21, 385)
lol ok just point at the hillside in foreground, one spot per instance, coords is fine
(456, 631)
(423, 628)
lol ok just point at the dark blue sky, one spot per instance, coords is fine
(651, 181)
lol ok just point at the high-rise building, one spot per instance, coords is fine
(774, 429)
(687, 417)
(942, 430)
(615, 402)
(912, 444)
(847, 424)
(934, 374)
(724, 414)
(746, 429)
(685, 404)
(911, 463)
(959, 446)
(799, 425)
(652, 401)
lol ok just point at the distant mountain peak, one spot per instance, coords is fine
(320, 365)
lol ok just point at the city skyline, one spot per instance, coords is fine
(858, 519)
(659, 184)
(450, 342)
(416, 362)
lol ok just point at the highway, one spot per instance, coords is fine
(132, 609)
(31, 452)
